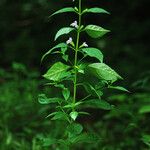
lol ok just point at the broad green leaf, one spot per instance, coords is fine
(60, 45)
(93, 52)
(72, 105)
(63, 10)
(95, 31)
(74, 115)
(103, 71)
(98, 104)
(75, 128)
(144, 109)
(62, 31)
(96, 10)
(57, 72)
(66, 93)
(118, 88)
(44, 100)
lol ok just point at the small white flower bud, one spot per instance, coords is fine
(69, 40)
(74, 24)
(84, 44)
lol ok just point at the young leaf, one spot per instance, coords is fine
(98, 104)
(95, 31)
(66, 93)
(57, 72)
(60, 45)
(44, 100)
(93, 52)
(96, 10)
(118, 88)
(74, 115)
(103, 71)
(62, 31)
(63, 10)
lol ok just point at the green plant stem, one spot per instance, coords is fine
(76, 55)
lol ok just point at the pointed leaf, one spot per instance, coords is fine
(44, 100)
(98, 104)
(74, 115)
(93, 52)
(62, 31)
(60, 45)
(95, 31)
(103, 71)
(66, 93)
(118, 88)
(57, 72)
(63, 10)
(96, 10)
(60, 116)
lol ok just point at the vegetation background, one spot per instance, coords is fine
(26, 33)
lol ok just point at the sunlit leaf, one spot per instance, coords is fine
(57, 72)
(144, 109)
(63, 10)
(118, 88)
(95, 31)
(96, 10)
(74, 115)
(62, 31)
(66, 93)
(93, 52)
(103, 71)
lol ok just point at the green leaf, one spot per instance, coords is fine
(48, 141)
(63, 10)
(103, 71)
(44, 100)
(146, 139)
(60, 116)
(75, 128)
(118, 88)
(93, 52)
(74, 115)
(85, 138)
(60, 45)
(57, 72)
(98, 104)
(66, 93)
(96, 10)
(95, 31)
(62, 31)
(144, 109)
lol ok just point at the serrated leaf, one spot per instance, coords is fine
(93, 52)
(144, 109)
(95, 31)
(63, 10)
(60, 45)
(44, 100)
(118, 88)
(57, 72)
(66, 93)
(74, 115)
(98, 104)
(96, 10)
(62, 31)
(103, 71)
(75, 128)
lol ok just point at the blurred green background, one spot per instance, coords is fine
(26, 33)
